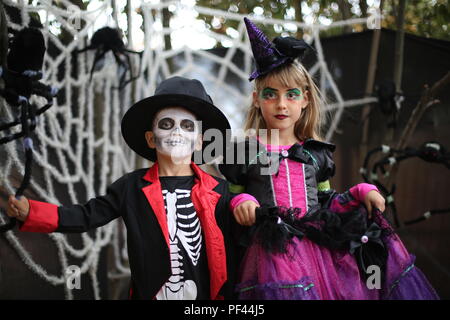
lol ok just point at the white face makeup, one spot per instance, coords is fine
(176, 132)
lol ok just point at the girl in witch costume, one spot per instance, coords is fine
(301, 239)
(177, 216)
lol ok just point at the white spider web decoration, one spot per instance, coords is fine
(78, 144)
(232, 96)
(79, 148)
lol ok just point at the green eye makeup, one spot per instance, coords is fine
(268, 93)
(295, 94)
(292, 94)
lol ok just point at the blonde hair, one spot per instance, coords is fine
(291, 75)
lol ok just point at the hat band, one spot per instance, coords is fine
(269, 61)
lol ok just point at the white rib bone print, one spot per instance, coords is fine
(184, 228)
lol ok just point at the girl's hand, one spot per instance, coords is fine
(18, 208)
(244, 213)
(374, 199)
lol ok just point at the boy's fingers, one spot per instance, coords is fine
(12, 212)
(16, 203)
(11, 200)
(14, 209)
(10, 209)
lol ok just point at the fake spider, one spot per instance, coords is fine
(21, 76)
(389, 101)
(108, 39)
(431, 152)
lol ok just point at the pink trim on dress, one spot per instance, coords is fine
(289, 184)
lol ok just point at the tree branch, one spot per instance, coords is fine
(364, 7)
(345, 9)
(427, 99)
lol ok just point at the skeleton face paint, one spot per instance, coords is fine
(176, 132)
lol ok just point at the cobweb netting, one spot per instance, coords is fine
(79, 150)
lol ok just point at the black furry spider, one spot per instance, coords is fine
(108, 39)
(389, 101)
(21, 75)
(432, 152)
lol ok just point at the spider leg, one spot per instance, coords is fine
(28, 111)
(140, 66)
(12, 137)
(17, 122)
(9, 125)
(32, 117)
(28, 144)
(99, 54)
(83, 50)
(126, 66)
(132, 78)
(9, 225)
(134, 52)
(10, 94)
(25, 128)
(41, 90)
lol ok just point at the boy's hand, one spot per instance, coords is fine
(244, 213)
(374, 199)
(18, 208)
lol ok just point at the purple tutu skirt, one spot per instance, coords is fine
(308, 271)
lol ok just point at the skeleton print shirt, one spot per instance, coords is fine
(190, 275)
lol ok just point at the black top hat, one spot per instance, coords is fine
(172, 92)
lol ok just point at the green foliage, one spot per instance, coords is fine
(427, 18)
(272, 9)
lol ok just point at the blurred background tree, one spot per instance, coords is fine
(427, 18)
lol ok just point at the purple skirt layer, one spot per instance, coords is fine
(311, 272)
(410, 285)
(300, 290)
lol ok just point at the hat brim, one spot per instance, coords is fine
(138, 119)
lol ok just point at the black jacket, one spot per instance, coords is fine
(251, 163)
(137, 198)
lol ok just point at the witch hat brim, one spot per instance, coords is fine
(173, 92)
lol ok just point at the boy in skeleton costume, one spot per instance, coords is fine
(177, 216)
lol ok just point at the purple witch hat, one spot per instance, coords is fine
(270, 55)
